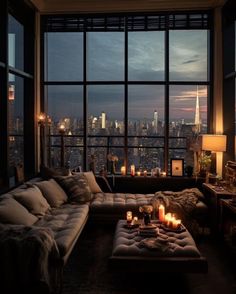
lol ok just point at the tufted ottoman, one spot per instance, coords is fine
(183, 255)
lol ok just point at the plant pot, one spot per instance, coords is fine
(203, 173)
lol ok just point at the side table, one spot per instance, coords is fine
(213, 195)
(227, 225)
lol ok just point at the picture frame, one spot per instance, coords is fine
(177, 167)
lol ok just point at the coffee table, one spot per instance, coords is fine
(183, 255)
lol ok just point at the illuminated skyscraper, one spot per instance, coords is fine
(155, 121)
(103, 120)
(11, 100)
(197, 120)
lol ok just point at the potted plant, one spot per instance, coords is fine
(113, 159)
(204, 163)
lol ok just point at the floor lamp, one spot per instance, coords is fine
(62, 130)
(215, 144)
(41, 123)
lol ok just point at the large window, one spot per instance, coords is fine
(17, 118)
(134, 86)
(16, 93)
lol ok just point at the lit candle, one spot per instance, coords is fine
(177, 223)
(135, 220)
(163, 174)
(123, 170)
(145, 173)
(138, 173)
(62, 128)
(132, 170)
(129, 216)
(168, 219)
(162, 213)
(41, 118)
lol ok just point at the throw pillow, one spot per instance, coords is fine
(76, 187)
(12, 212)
(94, 187)
(32, 198)
(53, 192)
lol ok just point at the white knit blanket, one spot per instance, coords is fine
(182, 203)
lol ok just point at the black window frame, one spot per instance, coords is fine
(164, 21)
(25, 15)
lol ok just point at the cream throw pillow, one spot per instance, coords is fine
(33, 200)
(12, 212)
(94, 187)
(53, 192)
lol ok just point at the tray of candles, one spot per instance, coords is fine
(179, 229)
(131, 225)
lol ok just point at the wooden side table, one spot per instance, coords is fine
(213, 195)
(227, 224)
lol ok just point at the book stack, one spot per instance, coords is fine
(150, 230)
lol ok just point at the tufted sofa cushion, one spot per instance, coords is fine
(113, 206)
(116, 204)
(126, 243)
(66, 223)
(182, 255)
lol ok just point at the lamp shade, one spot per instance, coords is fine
(215, 143)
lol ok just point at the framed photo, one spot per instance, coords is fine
(177, 167)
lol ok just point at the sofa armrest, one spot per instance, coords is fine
(103, 184)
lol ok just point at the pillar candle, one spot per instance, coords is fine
(162, 213)
(145, 173)
(167, 219)
(138, 173)
(129, 216)
(176, 223)
(123, 170)
(132, 170)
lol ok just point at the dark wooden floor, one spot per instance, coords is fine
(87, 270)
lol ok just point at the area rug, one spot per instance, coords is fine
(88, 272)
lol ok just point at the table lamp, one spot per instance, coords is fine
(215, 144)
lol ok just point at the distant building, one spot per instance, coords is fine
(155, 122)
(197, 120)
(103, 120)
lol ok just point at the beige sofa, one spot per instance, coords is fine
(61, 206)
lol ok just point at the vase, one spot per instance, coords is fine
(146, 218)
(113, 167)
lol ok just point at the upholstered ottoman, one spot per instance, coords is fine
(179, 253)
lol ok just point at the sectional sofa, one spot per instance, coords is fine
(54, 211)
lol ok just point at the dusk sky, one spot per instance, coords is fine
(105, 62)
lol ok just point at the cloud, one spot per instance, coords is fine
(190, 61)
(105, 60)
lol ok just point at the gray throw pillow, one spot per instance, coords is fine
(76, 187)
(93, 185)
(12, 212)
(53, 192)
(32, 198)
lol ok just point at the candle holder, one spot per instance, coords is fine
(129, 217)
(146, 210)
